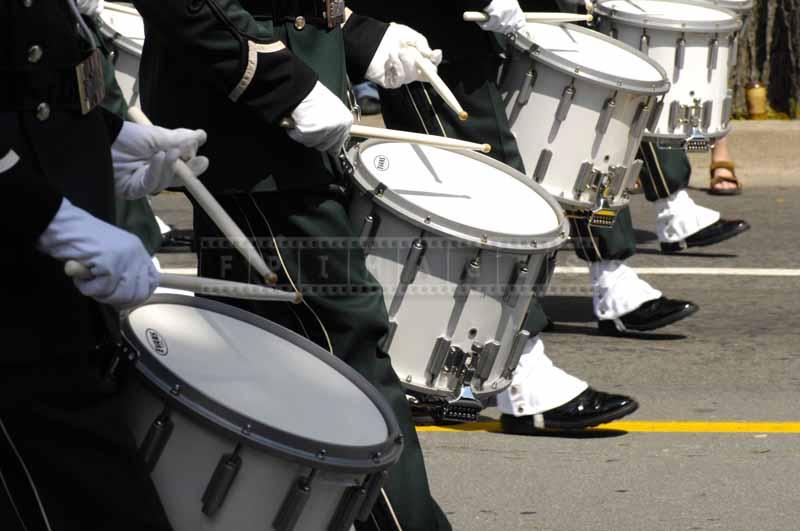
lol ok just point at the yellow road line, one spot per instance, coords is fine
(649, 426)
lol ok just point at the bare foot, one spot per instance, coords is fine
(724, 185)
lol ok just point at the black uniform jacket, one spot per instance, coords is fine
(51, 151)
(236, 68)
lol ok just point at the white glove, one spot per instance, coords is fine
(90, 8)
(394, 62)
(145, 158)
(123, 274)
(321, 121)
(505, 16)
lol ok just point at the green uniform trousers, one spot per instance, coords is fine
(348, 303)
(418, 108)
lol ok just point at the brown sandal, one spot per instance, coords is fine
(726, 165)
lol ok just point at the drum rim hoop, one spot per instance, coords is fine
(729, 26)
(128, 44)
(410, 212)
(715, 135)
(210, 413)
(740, 8)
(591, 75)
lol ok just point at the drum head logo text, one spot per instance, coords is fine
(157, 343)
(381, 163)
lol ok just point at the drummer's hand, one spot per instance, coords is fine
(321, 121)
(395, 61)
(90, 8)
(505, 16)
(145, 158)
(123, 275)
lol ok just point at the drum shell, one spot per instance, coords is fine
(127, 47)
(190, 457)
(126, 66)
(576, 139)
(694, 81)
(422, 314)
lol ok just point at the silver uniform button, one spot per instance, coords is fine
(42, 112)
(300, 23)
(35, 53)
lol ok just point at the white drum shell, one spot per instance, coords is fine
(188, 462)
(436, 305)
(694, 81)
(575, 140)
(125, 27)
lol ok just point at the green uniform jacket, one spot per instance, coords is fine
(225, 66)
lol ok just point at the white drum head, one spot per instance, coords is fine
(682, 12)
(453, 186)
(256, 373)
(124, 25)
(590, 51)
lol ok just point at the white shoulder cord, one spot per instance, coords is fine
(28, 475)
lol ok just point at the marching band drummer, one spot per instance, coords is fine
(66, 458)
(239, 68)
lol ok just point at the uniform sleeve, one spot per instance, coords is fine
(33, 202)
(362, 36)
(236, 53)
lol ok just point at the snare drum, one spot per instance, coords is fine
(458, 241)
(578, 103)
(248, 426)
(696, 45)
(123, 26)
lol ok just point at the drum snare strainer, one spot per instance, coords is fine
(248, 426)
(458, 241)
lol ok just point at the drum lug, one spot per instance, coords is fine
(472, 271)
(485, 355)
(294, 503)
(655, 115)
(565, 103)
(605, 116)
(542, 165)
(372, 488)
(221, 481)
(413, 261)
(439, 355)
(585, 174)
(708, 107)
(676, 115)
(642, 116)
(156, 440)
(614, 33)
(727, 104)
(516, 353)
(387, 341)
(515, 285)
(680, 52)
(733, 53)
(369, 228)
(713, 53)
(526, 89)
(644, 42)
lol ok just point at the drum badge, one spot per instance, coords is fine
(157, 343)
(381, 163)
(334, 12)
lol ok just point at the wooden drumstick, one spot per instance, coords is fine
(428, 71)
(393, 135)
(548, 18)
(214, 210)
(203, 286)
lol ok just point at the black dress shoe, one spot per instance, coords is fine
(649, 316)
(369, 105)
(720, 231)
(588, 409)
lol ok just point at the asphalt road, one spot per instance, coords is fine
(736, 360)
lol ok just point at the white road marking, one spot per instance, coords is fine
(688, 271)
